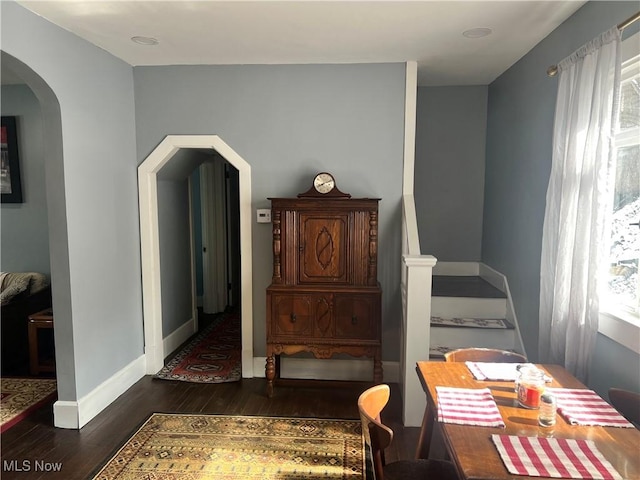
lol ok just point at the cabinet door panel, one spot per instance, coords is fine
(355, 317)
(324, 321)
(323, 248)
(292, 315)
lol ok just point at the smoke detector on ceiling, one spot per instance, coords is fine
(145, 40)
(477, 32)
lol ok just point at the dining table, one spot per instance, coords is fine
(471, 448)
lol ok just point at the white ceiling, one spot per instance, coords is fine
(214, 32)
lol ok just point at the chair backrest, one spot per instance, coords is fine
(627, 403)
(377, 435)
(484, 355)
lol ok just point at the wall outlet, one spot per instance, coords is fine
(263, 215)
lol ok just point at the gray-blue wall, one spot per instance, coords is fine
(518, 163)
(86, 96)
(290, 122)
(175, 254)
(449, 171)
(25, 229)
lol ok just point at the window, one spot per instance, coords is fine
(621, 295)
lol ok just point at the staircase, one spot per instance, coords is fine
(471, 308)
(455, 315)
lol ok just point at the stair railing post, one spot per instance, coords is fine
(416, 341)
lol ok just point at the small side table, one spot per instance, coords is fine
(38, 320)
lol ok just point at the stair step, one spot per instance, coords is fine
(437, 352)
(457, 322)
(502, 338)
(468, 307)
(463, 286)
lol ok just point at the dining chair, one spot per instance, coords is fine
(476, 354)
(379, 436)
(627, 403)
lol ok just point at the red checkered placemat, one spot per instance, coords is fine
(585, 407)
(553, 458)
(468, 406)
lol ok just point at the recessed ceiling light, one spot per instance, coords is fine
(145, 40)
(477, 32)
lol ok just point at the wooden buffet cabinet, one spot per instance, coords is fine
(324, 297)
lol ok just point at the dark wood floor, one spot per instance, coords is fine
(82, 452)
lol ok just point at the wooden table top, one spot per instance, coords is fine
(471, 448)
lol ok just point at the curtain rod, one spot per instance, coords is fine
(552, 71)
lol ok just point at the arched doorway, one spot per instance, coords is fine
(150, 244)
(58, 237)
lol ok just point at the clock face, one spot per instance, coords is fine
(324, 182)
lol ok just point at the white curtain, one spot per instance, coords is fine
(214, 236)
(578, 202)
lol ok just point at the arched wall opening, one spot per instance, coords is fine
(150, 243)
(57, 224)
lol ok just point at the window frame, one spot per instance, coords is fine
(620, 324)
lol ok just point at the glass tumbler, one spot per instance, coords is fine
(530, 384)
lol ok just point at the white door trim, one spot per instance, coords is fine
(150, 244)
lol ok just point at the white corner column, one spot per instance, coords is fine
(416, 334)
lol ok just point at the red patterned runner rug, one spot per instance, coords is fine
(195, 447)
(19, 397)
(212, 356)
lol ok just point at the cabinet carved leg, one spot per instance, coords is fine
(270, 373)
(377, 369)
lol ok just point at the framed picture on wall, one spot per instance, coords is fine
(10, 185)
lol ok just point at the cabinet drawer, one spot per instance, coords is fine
(356, 316)
(291, 315)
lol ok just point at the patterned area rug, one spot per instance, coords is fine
(21, 396)
(191, 447)
(213, 356)
(469, 322)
